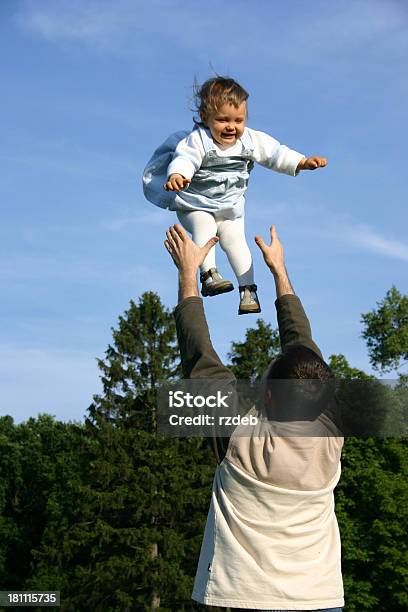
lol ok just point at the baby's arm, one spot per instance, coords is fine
(187, 159)
(270, 153)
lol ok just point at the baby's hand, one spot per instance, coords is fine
(311, 163)
(176, 182)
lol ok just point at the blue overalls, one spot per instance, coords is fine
(218, 185)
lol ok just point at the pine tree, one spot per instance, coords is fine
(134, 541)
(144, 352)
(250, 358)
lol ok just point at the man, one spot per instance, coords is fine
(271, 541)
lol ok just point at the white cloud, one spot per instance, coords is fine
(323, 225)
(317, 35)
(104, 24)
(77, 21)
(370, 240)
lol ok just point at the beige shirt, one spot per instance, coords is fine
(272, 539)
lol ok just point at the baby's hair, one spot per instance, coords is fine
(215, 92)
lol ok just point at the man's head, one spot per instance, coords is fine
(298, 385)
(298, 361)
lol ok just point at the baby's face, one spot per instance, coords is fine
(227, 124)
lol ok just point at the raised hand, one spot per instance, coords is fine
(273, 253)
(185, 253)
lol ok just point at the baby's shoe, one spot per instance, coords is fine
(248, 299)
(212, 283)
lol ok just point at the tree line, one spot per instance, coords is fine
(112, 515)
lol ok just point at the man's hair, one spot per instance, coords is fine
(300, 382)
(215, 92)
(298, 361)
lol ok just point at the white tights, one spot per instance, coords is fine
(204, 225)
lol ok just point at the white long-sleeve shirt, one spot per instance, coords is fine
(267, 151)
(219, 175)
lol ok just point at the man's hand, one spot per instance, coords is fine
(311, 163)
(272, 254)
(275, 260)
(185, 253)
(188, 257)
(176, 182)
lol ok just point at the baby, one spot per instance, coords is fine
(206, 174)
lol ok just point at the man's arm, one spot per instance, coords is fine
(198, 357)
(294, 326)
(187, 283)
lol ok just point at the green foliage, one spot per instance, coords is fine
(250, 358)
(139, 491)
(141, 505)
(144, 352)
(386, 331)
(372, 495)
(369, 406)
(372, 511)
(341, 368)
(39, 464)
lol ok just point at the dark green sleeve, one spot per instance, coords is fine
(294, 326)
(198, 357)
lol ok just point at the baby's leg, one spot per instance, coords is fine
(202, 227)
(233, 242)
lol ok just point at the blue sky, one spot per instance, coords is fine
(90, 88)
